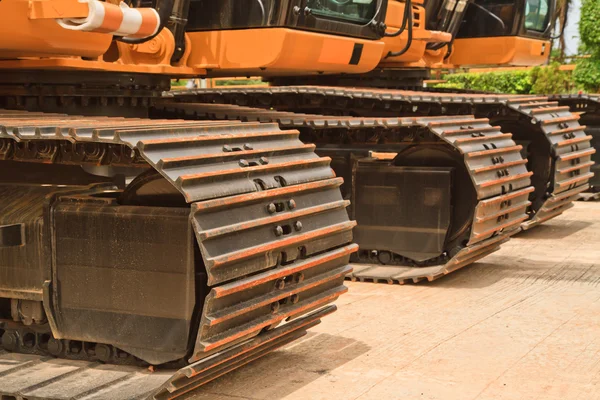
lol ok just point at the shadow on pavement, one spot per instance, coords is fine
(554, 231)
(285, 371)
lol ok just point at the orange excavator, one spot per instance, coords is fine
(151, 241)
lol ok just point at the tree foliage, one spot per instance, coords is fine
(589, 25)
(587, 72)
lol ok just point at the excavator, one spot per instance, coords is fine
(152, 241)
(410, 239)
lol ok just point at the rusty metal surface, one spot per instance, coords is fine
(588, 107)
(556, 127)
(589, 196)
(492, 159)
(31, 377)
(354, 93)
(571, 155)
(401, 275)
(267, 213)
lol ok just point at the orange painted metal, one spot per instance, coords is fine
(21, 36)
(278, 51)
(421, 36)
(67, 64)
(510, 50)
(57, 9)
(31, 38)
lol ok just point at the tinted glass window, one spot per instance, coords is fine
(233, 14)
(537, 15)
(339, 17)
(486, 18)
(355, 11)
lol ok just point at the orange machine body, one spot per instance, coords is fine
(503, 51)
(414, 56)
(280, 51)
(31, 38)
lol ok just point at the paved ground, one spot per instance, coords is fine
(524, 324)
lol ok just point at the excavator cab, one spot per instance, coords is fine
(503, 32)
(269, 37)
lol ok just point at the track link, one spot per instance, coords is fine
(268, 217)
(571, 155)
(493, 160)
(569, 171)
(588, 107)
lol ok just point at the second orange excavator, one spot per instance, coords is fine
(411, 225)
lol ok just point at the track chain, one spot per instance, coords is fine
(570, 167)
(571, 154)
(287, 264)
(493, 159)
(588, 106)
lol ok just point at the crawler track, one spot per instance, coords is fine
(558, 149)
(493, 160)
(269, 220)
(588, 106)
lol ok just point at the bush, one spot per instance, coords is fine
(549, 80)
(587, 74)
(238, 82)
(589, 28)
(539, 80)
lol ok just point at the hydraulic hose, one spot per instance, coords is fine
(410, 33)
(407, 11)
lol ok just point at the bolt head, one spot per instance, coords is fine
(271, 208)
(103, 352)
(278, 231)
(55, 346)
(10, 341)
(298, 225)
(291, 204)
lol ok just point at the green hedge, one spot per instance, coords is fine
(538, 80)
(238, 82)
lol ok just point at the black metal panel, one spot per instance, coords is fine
(493, 18)
(357, 19)
(22, 268)
(124, 275)
(405, 210)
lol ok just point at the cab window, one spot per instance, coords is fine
(353, 11)
(537, 15)
(488, 18)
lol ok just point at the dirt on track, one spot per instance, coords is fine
(522, 324)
